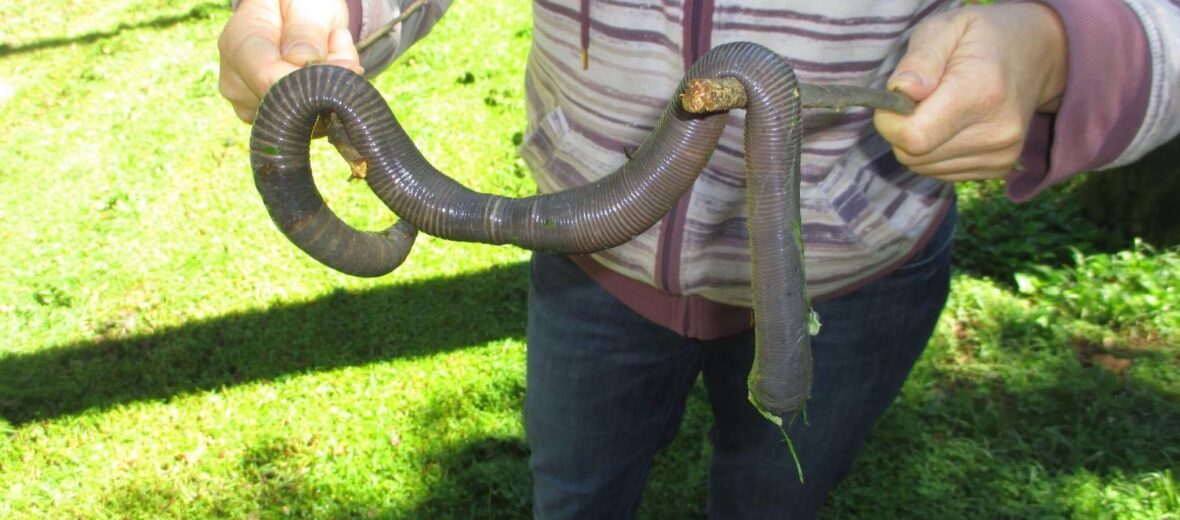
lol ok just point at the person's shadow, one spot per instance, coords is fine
(338, 330)
(162, 22)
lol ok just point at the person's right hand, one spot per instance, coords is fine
(265, 40)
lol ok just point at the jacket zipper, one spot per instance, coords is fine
(695, 11)
(668, 252)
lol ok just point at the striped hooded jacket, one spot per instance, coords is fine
(600, 72)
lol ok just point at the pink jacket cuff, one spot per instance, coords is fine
(355, 14)
(1105, 98)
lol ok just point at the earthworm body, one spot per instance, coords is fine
(580, 220)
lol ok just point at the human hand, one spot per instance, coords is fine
(978, 74)
(265, 40)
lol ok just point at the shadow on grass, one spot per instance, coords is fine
(488, 478)
(1030, 432)
(997, 238)
(962, 451)
(342, 329)
(978, 452)
(163, 22)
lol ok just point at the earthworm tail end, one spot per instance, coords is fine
(780, 380)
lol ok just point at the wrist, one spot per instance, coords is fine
(1054, 55)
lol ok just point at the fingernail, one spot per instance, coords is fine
(907, 77)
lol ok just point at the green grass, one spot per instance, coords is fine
(169, 354)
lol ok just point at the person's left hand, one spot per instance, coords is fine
(265, 40)
(978, 74)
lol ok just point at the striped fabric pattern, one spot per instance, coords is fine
(862, 211)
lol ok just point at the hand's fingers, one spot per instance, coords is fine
(246, 113)
(932, 73)
(261, 64)
(250, 48)
(306, 29)
(970, 91)
(259, 61)
(342, 52)
(980, 89)
(930, 48)
(267, 39)
(978, 175)
(237, 93)
(250, 41)
(998, 160)
(983, 138)
(231, 86)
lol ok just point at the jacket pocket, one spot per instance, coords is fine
(543, 143)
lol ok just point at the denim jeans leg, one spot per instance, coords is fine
(606, 390)
(869, 341)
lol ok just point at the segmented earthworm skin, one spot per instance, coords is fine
(585, 219)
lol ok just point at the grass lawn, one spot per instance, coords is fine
(167, 353)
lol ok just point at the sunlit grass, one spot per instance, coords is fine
(169, 354)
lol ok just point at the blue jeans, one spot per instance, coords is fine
(607, 389)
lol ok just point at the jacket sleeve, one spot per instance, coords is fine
(1120, 99)
(374, 14)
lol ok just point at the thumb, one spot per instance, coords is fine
(342, 52)
(307, 26)
(921, 68)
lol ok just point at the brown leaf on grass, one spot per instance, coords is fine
(1091, 354)
(1113, 364)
